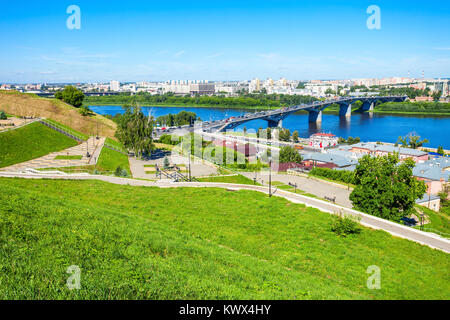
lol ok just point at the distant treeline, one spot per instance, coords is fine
(248, 100)
(423, 107)
(180, 119)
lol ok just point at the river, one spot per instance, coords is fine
(369, 127)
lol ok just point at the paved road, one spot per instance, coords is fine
(395, 229)
(315, 187)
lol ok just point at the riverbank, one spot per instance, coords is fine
(257, 108)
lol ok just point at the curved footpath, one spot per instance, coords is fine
(428, 239)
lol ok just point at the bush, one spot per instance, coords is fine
(84, 111)
(3, 115)
(120, 172)
(170, 140)
(336, 175)
(345, 226)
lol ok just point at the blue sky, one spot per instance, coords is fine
(222, 40)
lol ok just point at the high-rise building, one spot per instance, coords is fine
(114, 85)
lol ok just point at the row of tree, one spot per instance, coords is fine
(245, 100)
(180, 119)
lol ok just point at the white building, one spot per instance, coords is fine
(114, 85)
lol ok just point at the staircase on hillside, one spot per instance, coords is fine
(60, 130)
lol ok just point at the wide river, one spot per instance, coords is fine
(369, 127)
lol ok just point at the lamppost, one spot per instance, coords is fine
(270, 177)
(190, 174)
(88, 155)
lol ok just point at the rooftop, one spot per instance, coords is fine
(389, 148)
(435, 169)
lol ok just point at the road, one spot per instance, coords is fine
(320, 189)
(394, 229)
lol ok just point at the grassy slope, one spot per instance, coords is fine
(20, 104)
(195, 244)
(32, 141)
(439, 221)
(109, 160)
(239, 179)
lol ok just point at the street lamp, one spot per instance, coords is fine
(190, 174)
(270, 177)
(88, 155)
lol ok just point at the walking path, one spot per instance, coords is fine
(198, 168)
(93, 145)
(395, 229)
(5, 125)
(318, 188)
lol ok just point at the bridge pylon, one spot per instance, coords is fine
(345, 110)
(315, 116)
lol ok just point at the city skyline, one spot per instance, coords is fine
(229, 41)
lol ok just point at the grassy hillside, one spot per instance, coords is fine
(20, 104)
(30, 142)
(109, 160)
(149, 243)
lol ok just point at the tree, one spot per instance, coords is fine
(386, 188)
(412, 141)
(71, 95)
(269, 134)
(440, 150)
(285, 135)
(135, 130)
(329, 91)
(295, 136)
(166, 163)
(288, 154)
(436, 95)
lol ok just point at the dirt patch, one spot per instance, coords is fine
(27, 105)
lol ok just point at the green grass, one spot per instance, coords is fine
(238, 179)
(68, 157)
(68, 129)
(115, 144)
(439, 221)
(30, 142)
(190, 243)
(109, 160)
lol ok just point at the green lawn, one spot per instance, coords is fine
(115, 144)
(238, 179)
(30, 142)
(68, 157)
(109, 160)
(439, 221)
(190, 243)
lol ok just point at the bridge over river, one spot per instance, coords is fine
(275, 118)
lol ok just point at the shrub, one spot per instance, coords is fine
(166, 163)
(337, 175)
(120, 172)
(84, 111)
(3, 115)
(170, 140)
(345, 226)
